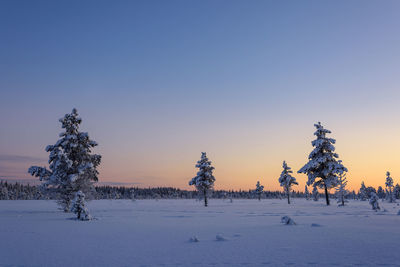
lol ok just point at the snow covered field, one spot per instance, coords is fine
(157, 233)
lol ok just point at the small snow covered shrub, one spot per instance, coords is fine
(79, 207)
(390, 192)
(341, 190)
(287, 220)
(259, 190)
(286, 180)
(374, 202)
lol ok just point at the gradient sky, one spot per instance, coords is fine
(158, 82)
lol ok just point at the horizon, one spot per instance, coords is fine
(157, 83)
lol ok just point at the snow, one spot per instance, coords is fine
(157, 233)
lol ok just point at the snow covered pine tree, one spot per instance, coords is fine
(287, 180)
(259, 190)
(204, 179)
(79, 207)
(389, 184)
(362, 193)
(323, 162)
(72, 166)
(341, 191)
(315, 194)
(306, 193)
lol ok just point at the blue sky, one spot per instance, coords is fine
(157, 82)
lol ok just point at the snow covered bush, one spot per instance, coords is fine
(374, 201)
(204, 179)
(79, 207)
(259, 190)
(287, 180)
(72, 166)
(287, 220)
(341, 190)
(323, 163)
(389, 185)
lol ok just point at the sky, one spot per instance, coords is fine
(158, 82)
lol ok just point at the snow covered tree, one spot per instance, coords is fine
(259, 190)
(72, 166)
(374, 201)
(389, 186)
(362, 193)
(306, 192)
(341, 190)
(204, 179)
(396, 191)
(323, 163)
(287, 180)
(381, 192)
(79, 207)
(315, 194)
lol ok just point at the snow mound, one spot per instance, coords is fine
(219, 237)
(287, 220)
(194, 239)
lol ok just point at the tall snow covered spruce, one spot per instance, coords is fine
(259, 190)
(323, 163)
(389, 185)
(72, 166)
(287, 180)
(341, 190)
(79, 207)
(204, 179)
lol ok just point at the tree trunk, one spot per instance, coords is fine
(288, 196)
(259, 197)
(205, 198)
(326, 195)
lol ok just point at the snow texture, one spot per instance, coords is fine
(155, 233)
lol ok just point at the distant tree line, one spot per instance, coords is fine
(18, 191)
